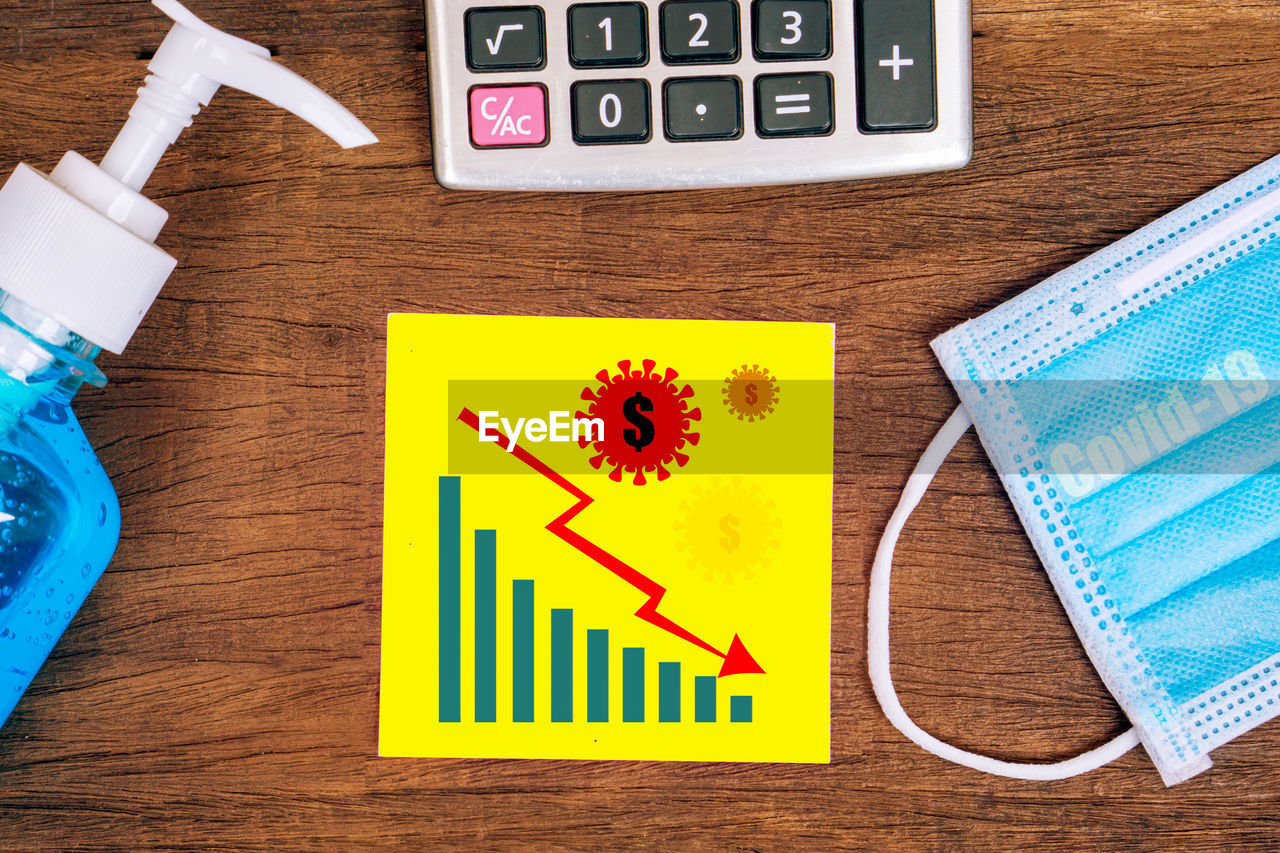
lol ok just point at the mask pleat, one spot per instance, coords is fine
(1221, 625)
(1228, 309)
(1176, 483)
(1194, 544)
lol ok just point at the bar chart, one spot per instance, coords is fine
(605, 687)
(540, 601)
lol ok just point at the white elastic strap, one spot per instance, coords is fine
(878, 637)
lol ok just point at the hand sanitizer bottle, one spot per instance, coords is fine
(78, 270)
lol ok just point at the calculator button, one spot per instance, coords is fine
(610, 111)
(794, 105)
(508, 116)
(699, 108)
(791, 29)
(895, 65)
(607, 34)
(699, 31)
(505, 38)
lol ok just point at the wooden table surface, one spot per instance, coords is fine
(219, 689)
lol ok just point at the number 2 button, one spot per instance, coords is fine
(699, 31)
(610, 111)
(791, 29)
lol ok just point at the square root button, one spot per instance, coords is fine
(505, 38)
(508, 116)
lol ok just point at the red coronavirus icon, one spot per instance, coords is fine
(647, 421)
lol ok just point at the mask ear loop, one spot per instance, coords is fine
(878, 637)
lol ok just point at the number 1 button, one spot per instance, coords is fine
(603, 34)
(610, 111)
(699, 31)
(791, 29)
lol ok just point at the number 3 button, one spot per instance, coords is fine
(610, 111)
(791, 29)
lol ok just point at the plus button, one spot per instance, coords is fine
(896, 63)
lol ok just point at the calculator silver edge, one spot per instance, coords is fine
(660, 164)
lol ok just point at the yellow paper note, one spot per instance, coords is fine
(657, 589)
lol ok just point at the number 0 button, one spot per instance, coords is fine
(699, 31)
(791, 29)
(610, 111)
(607, 34)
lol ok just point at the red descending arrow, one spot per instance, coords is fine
(737, 660)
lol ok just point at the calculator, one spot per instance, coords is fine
(695, 93)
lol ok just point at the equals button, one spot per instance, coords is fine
(794, 105)
(785, 105)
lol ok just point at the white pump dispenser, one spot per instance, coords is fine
(78, 246)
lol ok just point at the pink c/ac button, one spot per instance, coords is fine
(508, 115)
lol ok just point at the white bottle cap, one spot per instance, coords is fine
(78, 245)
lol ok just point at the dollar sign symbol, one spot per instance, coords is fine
(729, 526)
(751, 394)
(642, 435)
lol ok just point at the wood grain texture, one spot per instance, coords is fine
(219, 689)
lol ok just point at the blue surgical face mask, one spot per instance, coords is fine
(1131, 406)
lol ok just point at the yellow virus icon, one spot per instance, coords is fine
(728, 530)
(750, 392)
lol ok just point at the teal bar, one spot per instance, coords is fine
(561, 665)
(633, 685)
(450, 571)
(522, 651)
(668, 692)
(486, 626)
(739, 709)
(597, 676)
(704, 699)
